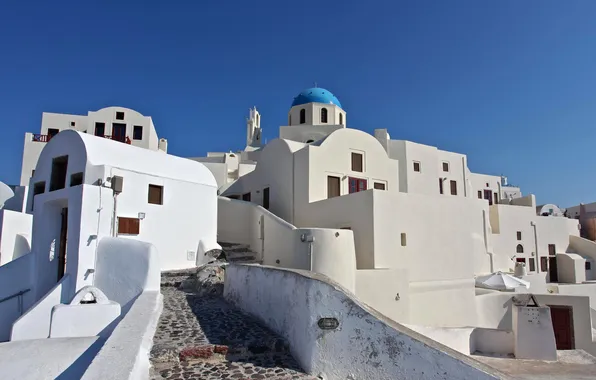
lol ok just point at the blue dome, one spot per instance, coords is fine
(315, 95)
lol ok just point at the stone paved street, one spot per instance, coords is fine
(201, 336)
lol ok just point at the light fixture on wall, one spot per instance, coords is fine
(141, 215)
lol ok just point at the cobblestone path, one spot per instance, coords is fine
(201, 336)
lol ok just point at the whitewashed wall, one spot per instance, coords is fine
(365, 346)
(15, 235)
(16, 276)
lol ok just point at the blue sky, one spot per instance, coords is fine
(510, 83)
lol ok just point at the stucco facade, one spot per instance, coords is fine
(115, 123)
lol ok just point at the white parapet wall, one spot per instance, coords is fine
(334, 336)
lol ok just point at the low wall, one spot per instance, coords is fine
(125, 268)
(278, 243)
(365, 345)
(16, 276)
(35, 323)
(470, 340)
(125, 354)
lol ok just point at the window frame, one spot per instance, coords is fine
(379, 186)
(355, 155)
(324, 115)
(419, 164)
(118, 114)
(134, 132)
(333, 177)
(266, 198)
(302, 116)
(453, 187)
(448, 166)
(125, 227)
(103, 130)
(357, 184)
(154, 187)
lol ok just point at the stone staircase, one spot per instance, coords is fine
(201, 336)
(238, 253)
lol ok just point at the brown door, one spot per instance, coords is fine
(562, 326)
(552, 269)
(333, 186)
(552, 250)
(62, 247)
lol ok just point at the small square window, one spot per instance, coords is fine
(72, 123)
(403, 239)
(379, 186)
(129, 226)
(155, 194)
(137, 132)
(487, 185)
(119, 115)
(445, 166)
(417, 166)
(479, 194)
(519, 235)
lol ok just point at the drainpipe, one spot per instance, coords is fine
(114, 215)
(536, 247)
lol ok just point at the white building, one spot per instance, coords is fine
(116, 123)
(424, 226)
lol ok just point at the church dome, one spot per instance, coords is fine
(315, 95)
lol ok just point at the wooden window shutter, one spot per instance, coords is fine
(333, 187)
(356, 162)
(131, 226)
(155, 194)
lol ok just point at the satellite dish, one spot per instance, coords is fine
(5, 193)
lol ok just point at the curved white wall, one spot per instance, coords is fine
(365, 346)
(334, 256)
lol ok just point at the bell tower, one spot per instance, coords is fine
(253, 128)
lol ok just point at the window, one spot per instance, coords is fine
(496, 198)
(453, 185)
(403, 239)
(100, 129)
(487, 185)
(266, 198)
(38, 188)
(72, 123)
(479, 194)
(416, 166)
(440, 185)
(544, 264)
(323, 115)
(246, 197)
(32, 172)
(519, 235)
(76, 179)
(357, 162)
(333, 186)
(532, 263)
(137, 132)
(588, 265)
(520, 260)
(155, 194)
(302, 116)
(519, 248)
(379, 186)
(445, 166)
(58, 176)
(130, 226)
(52, 132)
(119, 115)
(552, 250)
(341, 119)
(356, 185)
(289, 119)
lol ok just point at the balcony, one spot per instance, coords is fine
(45, 138)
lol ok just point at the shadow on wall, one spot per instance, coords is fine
(243, 334)
(126, 268)
(21, 246)
(333, 335)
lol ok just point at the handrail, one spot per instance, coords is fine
(18, 294)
